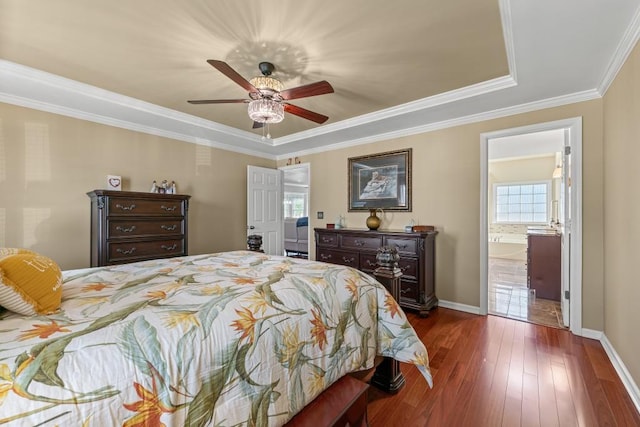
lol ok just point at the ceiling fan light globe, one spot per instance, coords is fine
(265, 111)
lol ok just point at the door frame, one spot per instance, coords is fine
(307, 166)
(573, 126)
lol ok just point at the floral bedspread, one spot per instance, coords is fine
(228, 339)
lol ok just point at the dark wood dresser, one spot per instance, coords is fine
(544, 261)
(358, 249)
(129, 226)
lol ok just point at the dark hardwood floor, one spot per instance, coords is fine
(494, 371)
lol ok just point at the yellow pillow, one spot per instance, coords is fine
(12, 251)
(30, 283)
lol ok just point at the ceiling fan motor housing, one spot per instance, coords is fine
(266, 68)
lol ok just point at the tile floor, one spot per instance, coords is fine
(510, 297)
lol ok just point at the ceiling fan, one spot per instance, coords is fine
(268, 97)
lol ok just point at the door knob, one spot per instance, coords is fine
(251, 227)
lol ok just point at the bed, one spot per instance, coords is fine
(233, 338)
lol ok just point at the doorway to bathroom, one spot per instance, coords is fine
(530, 230)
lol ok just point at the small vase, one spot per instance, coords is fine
(373, 222)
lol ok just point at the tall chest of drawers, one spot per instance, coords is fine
(358, 249)
(129, 226)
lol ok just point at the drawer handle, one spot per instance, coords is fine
(371, 264)
(404, 291)
(327, 240)
(348, 260)
(126, 208)
(169, 248)
(359, 242)
(126, 229)
(126, 251)
(403, 246)
(325, 257)
(168, 227)
(406, 267)
(168, 208)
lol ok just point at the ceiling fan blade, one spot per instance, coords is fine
(258, 125)
(217, 101)
(225, 69)
(312, 89)
(304, 113)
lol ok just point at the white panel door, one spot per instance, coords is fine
(264, 207)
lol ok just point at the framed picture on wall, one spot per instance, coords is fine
(380, 181)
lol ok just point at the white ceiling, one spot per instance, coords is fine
(397, 68)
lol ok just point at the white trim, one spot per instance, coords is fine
(590, 333)
(471, 91)
(622, 371)
(575, 134)
(484, 224)
(558, 101)
(459, 307)
(184, 127)
(507, 33)
(623, 50)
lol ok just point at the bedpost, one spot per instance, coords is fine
(388, 376)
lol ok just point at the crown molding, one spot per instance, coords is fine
(507, 33)
(477, 89)
(583, 96)
(56, 90)
(623, 50)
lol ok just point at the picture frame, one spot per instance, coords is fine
(380, 181)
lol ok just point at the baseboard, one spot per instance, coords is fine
(623, 372)
(460, 307)
(591, 333)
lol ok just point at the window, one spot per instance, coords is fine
(522, 203)
(295, 205)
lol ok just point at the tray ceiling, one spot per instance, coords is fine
(393, 65)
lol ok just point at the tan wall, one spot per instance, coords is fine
(49, 162)
(446, 189)
(446, 193)
(622, 213)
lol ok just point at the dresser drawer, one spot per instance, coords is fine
(368, 262)
(135, 228)
(409, 268)
(140, 207)
(360, 242)
(409, 290)
(407, 245)
(327, 240)
(338, 257)
(130, 251)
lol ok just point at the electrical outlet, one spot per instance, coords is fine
(320, 215)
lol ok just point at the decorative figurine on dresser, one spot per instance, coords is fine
(128, 226)
(358, 249)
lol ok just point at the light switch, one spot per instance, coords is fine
(320, 215)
